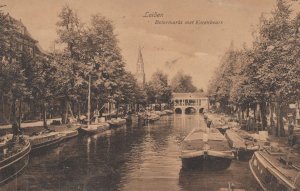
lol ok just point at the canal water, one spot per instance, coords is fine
(130, 158)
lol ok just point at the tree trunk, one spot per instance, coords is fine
(79, 109)
(247, 111)
(117, 105)
(5, 110)
(254, 125)
(279, 126)
(239, 113)
(62, 103)
(70, 109)
(263, 113)
(13, 109)
(10, 111)
(277, 119)
(20, 113)
(64, 109)
(73, 108)
(14, 122)
(243, 113)
(45, 116)
(272, 122)
(2, 109)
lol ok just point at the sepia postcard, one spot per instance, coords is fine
(149, 95)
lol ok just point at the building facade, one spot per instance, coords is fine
(185, 103)
(16, 42)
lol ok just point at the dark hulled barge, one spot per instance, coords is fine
(14, 156)
(242, 143)
(68, 134)
(44, 140)
(275, 170)
(206, 151)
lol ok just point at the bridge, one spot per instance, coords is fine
(187, 103)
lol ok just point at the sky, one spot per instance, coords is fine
(193, 48)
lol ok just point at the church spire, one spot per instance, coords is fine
(140, 73)
(140, 62)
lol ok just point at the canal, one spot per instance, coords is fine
(131, 158)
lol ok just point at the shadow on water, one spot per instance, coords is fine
(237, 174)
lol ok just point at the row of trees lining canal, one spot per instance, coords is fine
(60, 79)
(267, 74)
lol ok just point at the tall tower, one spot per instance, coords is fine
(140, 73)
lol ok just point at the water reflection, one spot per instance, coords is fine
(132, 158)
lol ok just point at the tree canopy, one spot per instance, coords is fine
(182, 83)
(87, 49)
(158, 90)
(266, 73)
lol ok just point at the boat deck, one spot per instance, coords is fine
(289, 171)
(240, 139)
(275, 167)
(199, 137)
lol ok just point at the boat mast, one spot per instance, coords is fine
(108, 110)
(89, 100)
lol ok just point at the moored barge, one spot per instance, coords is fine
(206, 150)
(44, 140)
(242, 143)
(68, 134)
(275, 170)
(14, 156)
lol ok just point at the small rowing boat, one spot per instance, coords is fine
(116, 122)
(151, 117)
(94, 128)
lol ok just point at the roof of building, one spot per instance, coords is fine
(19, 24)
(25, 32)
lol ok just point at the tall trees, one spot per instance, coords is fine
(182, 83)
(90, 50)
(68, 63)
(158, 90)
(12, 61)
(219, 88)
(40, 81)
(86, 49)
(266, 74)
(273, 52)
(106, 58)
(13, 87)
